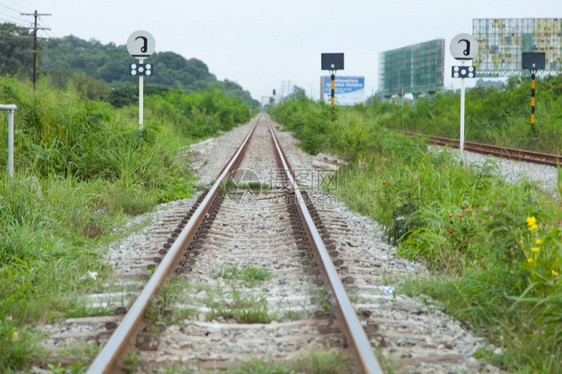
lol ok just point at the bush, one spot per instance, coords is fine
(199, 114)
(81, 168)
(495, 247)
(492, 115)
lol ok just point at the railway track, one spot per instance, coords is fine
(256, 268)
(488, 149)
(199, 242)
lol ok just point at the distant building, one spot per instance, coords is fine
(416, 69)
(501, 43)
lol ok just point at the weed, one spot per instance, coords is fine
(163, 307)
(82, 169)
(131, 363)
(17, 345)
(324, 362)
(313, 362)
(246, 309)
(494, 246)
(322, 298)
(249, 275)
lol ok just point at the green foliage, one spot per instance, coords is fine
(496, 246)
(199, 114)
(131, 363)
(81, 169)
(16, 345)
(82, 83)
(16, 50)
(492, 115)
(244, 309)
(250, 275)
(109, 64)
(58, 132)
(311, 122)
(314, 362)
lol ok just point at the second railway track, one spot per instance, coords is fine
(248, 286)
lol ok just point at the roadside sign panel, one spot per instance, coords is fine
(533, 60)
(332, 61)
(349, 90)
(140, 44)
(463, 47)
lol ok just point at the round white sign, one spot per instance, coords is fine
(464, 47)
(141, 44)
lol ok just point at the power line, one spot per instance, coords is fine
(12, 19)
(9, 8)
(35, 28)
(11, 14)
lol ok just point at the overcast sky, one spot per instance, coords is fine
(262, 44)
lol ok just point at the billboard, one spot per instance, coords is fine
(417, 68)
(502, 43)
(348, 90)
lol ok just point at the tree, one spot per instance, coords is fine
(16, 50)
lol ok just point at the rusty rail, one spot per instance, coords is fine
(110, 353)
(348, 317)
(494, 150)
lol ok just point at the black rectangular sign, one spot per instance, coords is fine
(534, 60)
(332, 61)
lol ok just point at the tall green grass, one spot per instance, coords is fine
(495, 248)
(200, 114)
(81, 169)
(492, 115)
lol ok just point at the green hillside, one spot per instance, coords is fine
(71, 58)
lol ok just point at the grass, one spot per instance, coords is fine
(82, 169)
(242, 308)
(469, 226)
(131, 363)
(236, 305)
(311, 362)
(495, 248)
(249, 275)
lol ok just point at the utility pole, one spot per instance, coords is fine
(35, 28)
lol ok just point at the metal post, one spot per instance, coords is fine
(35, 51)
(461, 139)
(533, 76)
(333, 92)
(11, 143)
(141, 95)
(11, 108)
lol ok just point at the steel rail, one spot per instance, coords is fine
(512, 153)
(111, 351)
(352, 327)
(489, 149)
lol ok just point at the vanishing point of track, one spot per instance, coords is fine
(180, 255)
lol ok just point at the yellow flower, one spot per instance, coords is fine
(531, 223)
(535, 249)
(530, 260)
(538, 241)
(554, 272)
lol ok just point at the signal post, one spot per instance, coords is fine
(140, 44)
(533, 61)
(463, 48)
(332, 62)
